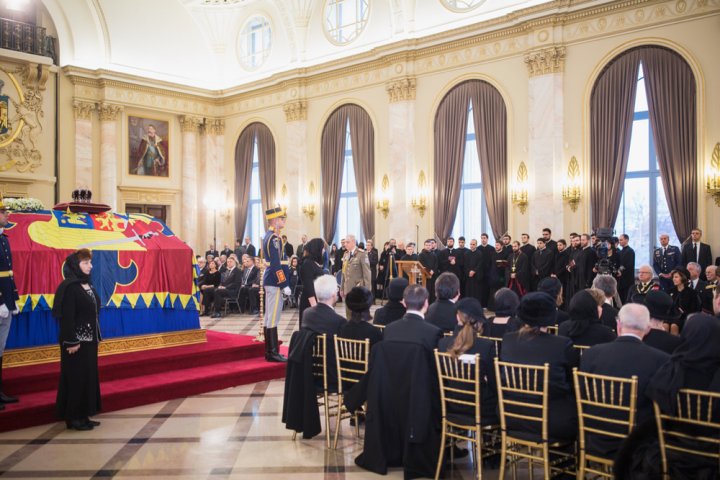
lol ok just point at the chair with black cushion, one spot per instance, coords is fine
(229, 301)
(692, 433)
(607, 409)
(460, 398)
(523, 395)
(352, 358)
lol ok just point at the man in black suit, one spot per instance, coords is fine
(624, 357)
(626, 270)
(661, 308)
(228, 288)
(698, 252)
(226, 250)
(608, 285)
(706, 297)
(322, 318)
(250, 248)
(542, 262)
(249, 277)
(413, 328)
(696, 283)
(289, 251)
(211, 251)
(442, 313)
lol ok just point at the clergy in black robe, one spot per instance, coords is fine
(473, 271)
(429, 260)
(460, 252)
(626, 268)
(560, 271)
(488, 252)
(517, 271)
(527, 248)
(584, 264)
(542, 264)
(449, 259)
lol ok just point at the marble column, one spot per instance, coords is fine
(296, 135)
(212, 181)
(83, 143)
(402, 218)
(190, 126)
(545, 162)
(109, 155)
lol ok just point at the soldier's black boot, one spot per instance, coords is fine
(272, 353)
(5, 398)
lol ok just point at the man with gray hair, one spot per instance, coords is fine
(696, 283)
(608, 285)
(624, 357)
(645, 283)
(355, 269)
(706, 296)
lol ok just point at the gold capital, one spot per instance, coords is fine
(401, 90)
(108, 111)
(295, 111)
(83, 110)
(545, 60)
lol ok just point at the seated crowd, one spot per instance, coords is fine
(660, 337)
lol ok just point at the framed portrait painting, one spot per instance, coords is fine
(148, 147)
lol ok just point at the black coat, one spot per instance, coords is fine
(624, 357)
(558, 352)
(705, 256)
(360, 330)
(627, 269)
(473, 262)
(662, 340)
(388, 313)
(450, 260)
(442, 314)
(413, 328)
(585, 262)
(594, 334)
(300, 411)
(402, 427)
(518, 264)
(231, 281)
(247, 279)
(323, 319)
(543, 262)
(309, 271)
(609, 316)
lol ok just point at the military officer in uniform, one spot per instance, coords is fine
(355, 269)
(275, 281)
(8, 295)
(665, 260)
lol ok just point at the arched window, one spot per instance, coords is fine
(348, 219)
(644, 212)
(471, 192)
(255, 225)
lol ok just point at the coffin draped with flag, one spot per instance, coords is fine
(144, 274)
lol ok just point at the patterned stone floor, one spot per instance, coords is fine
(228, 434)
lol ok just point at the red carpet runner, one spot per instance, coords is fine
(140, 378)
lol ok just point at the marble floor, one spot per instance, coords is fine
(228, 434)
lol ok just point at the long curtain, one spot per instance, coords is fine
(450, 132)
(266, 165)
(671, 94)
(243, 176)
(332, 154)
(362, 137)
(490, 117)
(612, 105)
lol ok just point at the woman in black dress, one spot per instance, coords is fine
(310, 269)
(211, 280)
(77, 306)
(685, 299)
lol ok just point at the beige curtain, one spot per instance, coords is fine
(266, 165)
(243, 172)
(450, 131)
(332, 153)
(490, 118)
(362, 137)
(612, 103)
(670, 86)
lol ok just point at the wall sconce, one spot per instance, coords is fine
(571, 185)
(520, 189)
(284, 197)
(712, 175)
(308, 207)
(383, 203)
(419, 199)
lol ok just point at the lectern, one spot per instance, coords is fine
(413, 270)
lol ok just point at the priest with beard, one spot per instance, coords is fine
(450, 260)
(542, 263)
(473, 271)
(517, 271)
(429, 260)
(586, 260)
(560, 270)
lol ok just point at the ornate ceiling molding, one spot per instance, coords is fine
(295, 111)
(546, 60)
(401, 90)
(83, 110)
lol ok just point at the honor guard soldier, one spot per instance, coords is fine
(275, 281)
(8, 295)
(665, 260)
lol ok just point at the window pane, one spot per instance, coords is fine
(639, 143)
(634, 217)
(348, 221)
(641, 104)
(664, 222)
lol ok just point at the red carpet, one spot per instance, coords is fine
(139, 378)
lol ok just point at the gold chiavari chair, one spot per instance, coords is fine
(553, 329)
(580, 349)
(693, 430)
(607, 408)
(497, 340)
(319, 369)
(447, 334)
(523, 394)
(460, 387)
(352, 358)
(381, 327)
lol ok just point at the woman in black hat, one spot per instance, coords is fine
(465, 340)
(662, 314)
(310, 269)
(532, 345)
(584, 327)
(359, 300)
(685, 299)
(77, 306)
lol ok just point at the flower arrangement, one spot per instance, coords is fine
(24, 204)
